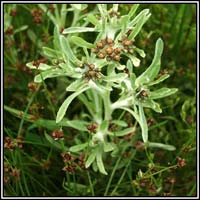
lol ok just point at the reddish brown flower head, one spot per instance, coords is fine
(139, 145)
(58, 134)
(13, 12)
(181, 162)
(8, 143)
(15, 173)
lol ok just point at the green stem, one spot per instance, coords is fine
(25, 112)
(90, 182)
(107, 105)
(111, 176)
(120, 180)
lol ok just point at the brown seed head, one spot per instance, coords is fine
(118, 50)
(117, 57)
(99, 45)
(101, 55)
(127, 42)
(92, 66)
(109, 50)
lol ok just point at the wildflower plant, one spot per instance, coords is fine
(104, 68)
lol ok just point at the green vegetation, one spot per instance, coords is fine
(99, 100)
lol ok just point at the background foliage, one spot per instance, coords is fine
(36, 168)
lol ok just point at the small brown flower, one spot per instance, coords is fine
(6, 167)
(151, 121)
(13, 12)
(51, 8)
(67, 157)
(127, 42)
(6, 180)
(101, 55)
(92, 127)
(9, 30)
(117, 57)
(81, 161)
(117, 50)
(92, 66)
(100, 45)
(15, 173)
(139, 145)
(181, 162)
(8, 143)
(109, 50)
(58, 134)
(32, 86)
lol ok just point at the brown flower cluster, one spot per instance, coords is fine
(37, 15)
(71, 162)
(13, 12)
(11, 144)
(70, 165)
(81, 161)
(92, 72)
(104, 49)
(32, 86)
(10, 172)
(127, 44)
(92, 127)
(9, 30)
(58, 134)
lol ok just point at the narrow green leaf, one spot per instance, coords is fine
(75, 85)
(69, 55)
(100, 164)
(56, 38)
(136, 19)
(22, 28)
(79, 147)
(133, 10)
(102, 9)
(149, 103)
(115, 78)
(141, 21)
(62, 110)
(132, 79)
(92, 19)
(78, 30)
(109, 146)
(51, 53)
(160, 79)
(129, 66)
(140, 52)
(45, 8)
(143, 124)
(81, 42)
(124, 132)
(162, 146)
(91, 158)
(76, 124)
(49, 74)
(120, 123)
(163, 92)
(152, 71)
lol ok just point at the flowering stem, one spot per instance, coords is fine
(107, 107)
